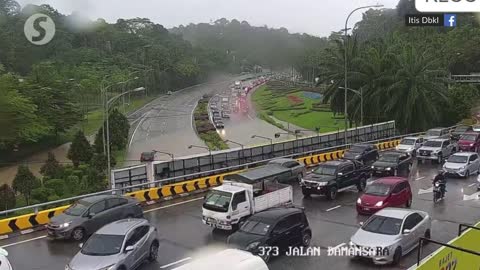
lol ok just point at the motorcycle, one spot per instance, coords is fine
(437, 192)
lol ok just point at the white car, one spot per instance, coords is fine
(478, 182)
(232, 259)
(4, 263)
(436, 150)
(437, 133)
(462, 164)
(410, 145)
(390, 234)
(476, 128)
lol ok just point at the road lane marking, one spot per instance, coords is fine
(333, 208)
(24, 241)
(425, 191)
(171, 205)
(420, 178)
(173, 263)
(135, 131)
(339, 246)
(473, 184)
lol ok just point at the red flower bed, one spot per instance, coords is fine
(294, 100)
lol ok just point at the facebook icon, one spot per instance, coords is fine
(450, 20)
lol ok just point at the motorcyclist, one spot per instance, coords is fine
(442, 180)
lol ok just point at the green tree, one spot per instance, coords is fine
(42, 194)
(24, 182)
(80, 150)
(7, 197)
(51, 168)
(119, 128)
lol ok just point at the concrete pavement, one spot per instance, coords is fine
(182, 233)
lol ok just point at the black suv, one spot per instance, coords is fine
(280, 227)
(391, 163)
(334, 176)
(366, 153)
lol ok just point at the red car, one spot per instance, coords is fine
(385, 192)
(469, 141)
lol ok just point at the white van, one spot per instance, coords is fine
(232, 259)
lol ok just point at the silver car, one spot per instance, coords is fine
(390, 234)
(462, 164)
(437, 150)
(121, 245)
(90, 214)
(4, 263)
(437, 133)
(410, 145)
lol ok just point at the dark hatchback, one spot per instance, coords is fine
(458, 131)
(281, 227)
(392, 163)
(365, 153)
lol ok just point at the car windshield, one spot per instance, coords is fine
(383, 225)
(357, 149)
(325, 170)
(217, 201)
(103, 245)
(468, 137)
(457, 159)
(377, 189)
(408, 142)
(255, 227)
(434, 133)
(388, 158)
(433, 144)
(78, 208)
(461, 129)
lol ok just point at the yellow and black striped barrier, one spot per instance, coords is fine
(28, 221)
(25, 222)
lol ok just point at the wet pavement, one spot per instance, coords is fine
(182, 233)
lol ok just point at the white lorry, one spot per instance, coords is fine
(233, 202)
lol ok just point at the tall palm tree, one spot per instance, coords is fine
(416, 89)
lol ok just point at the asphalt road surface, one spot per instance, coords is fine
(166, 123)
(182, 233)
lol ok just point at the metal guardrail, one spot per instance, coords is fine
(463, 227)
(156, 183)
(181, 178)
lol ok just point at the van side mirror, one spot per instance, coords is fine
(80, 245)
(129, 248)
(407, 231)
(360, 223)
(91, 215)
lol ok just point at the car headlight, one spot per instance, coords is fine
(359, 201)
(110, 267)
(65, 225)
(322, 184)
(373, 167)
(379, 204)
(472, 144)
(388, 169)
(252, 246)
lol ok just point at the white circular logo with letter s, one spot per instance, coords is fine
(39, 29)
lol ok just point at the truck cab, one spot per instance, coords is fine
(229, 205)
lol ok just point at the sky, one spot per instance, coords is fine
(315, 17)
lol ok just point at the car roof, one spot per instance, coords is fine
(471, 133)
(337, 162)
(97, 198)
(414, 138)
(392, 153)
(365, 145)
(438, 140)
(121, 227)
(464, 154)
(281, 160)
(275, 214)
(399, 213)
(391, 180)
(438, 128)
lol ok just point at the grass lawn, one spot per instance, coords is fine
(279, 105)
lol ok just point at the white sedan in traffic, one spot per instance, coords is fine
(4, 263)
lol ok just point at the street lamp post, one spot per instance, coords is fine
(239, 144)
(171, 156)
(265, 138)
(359, 93)
(107, 116)
(346, 63)
(204, 147)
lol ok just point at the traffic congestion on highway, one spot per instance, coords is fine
(373, 208)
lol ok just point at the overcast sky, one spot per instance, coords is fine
(316, 17)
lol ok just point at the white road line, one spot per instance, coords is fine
(333, 208)
(339, 246)
(473, 184)
(173, 263)
(135, 131)
(24, 241)
(420, 178)
(171, 205)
